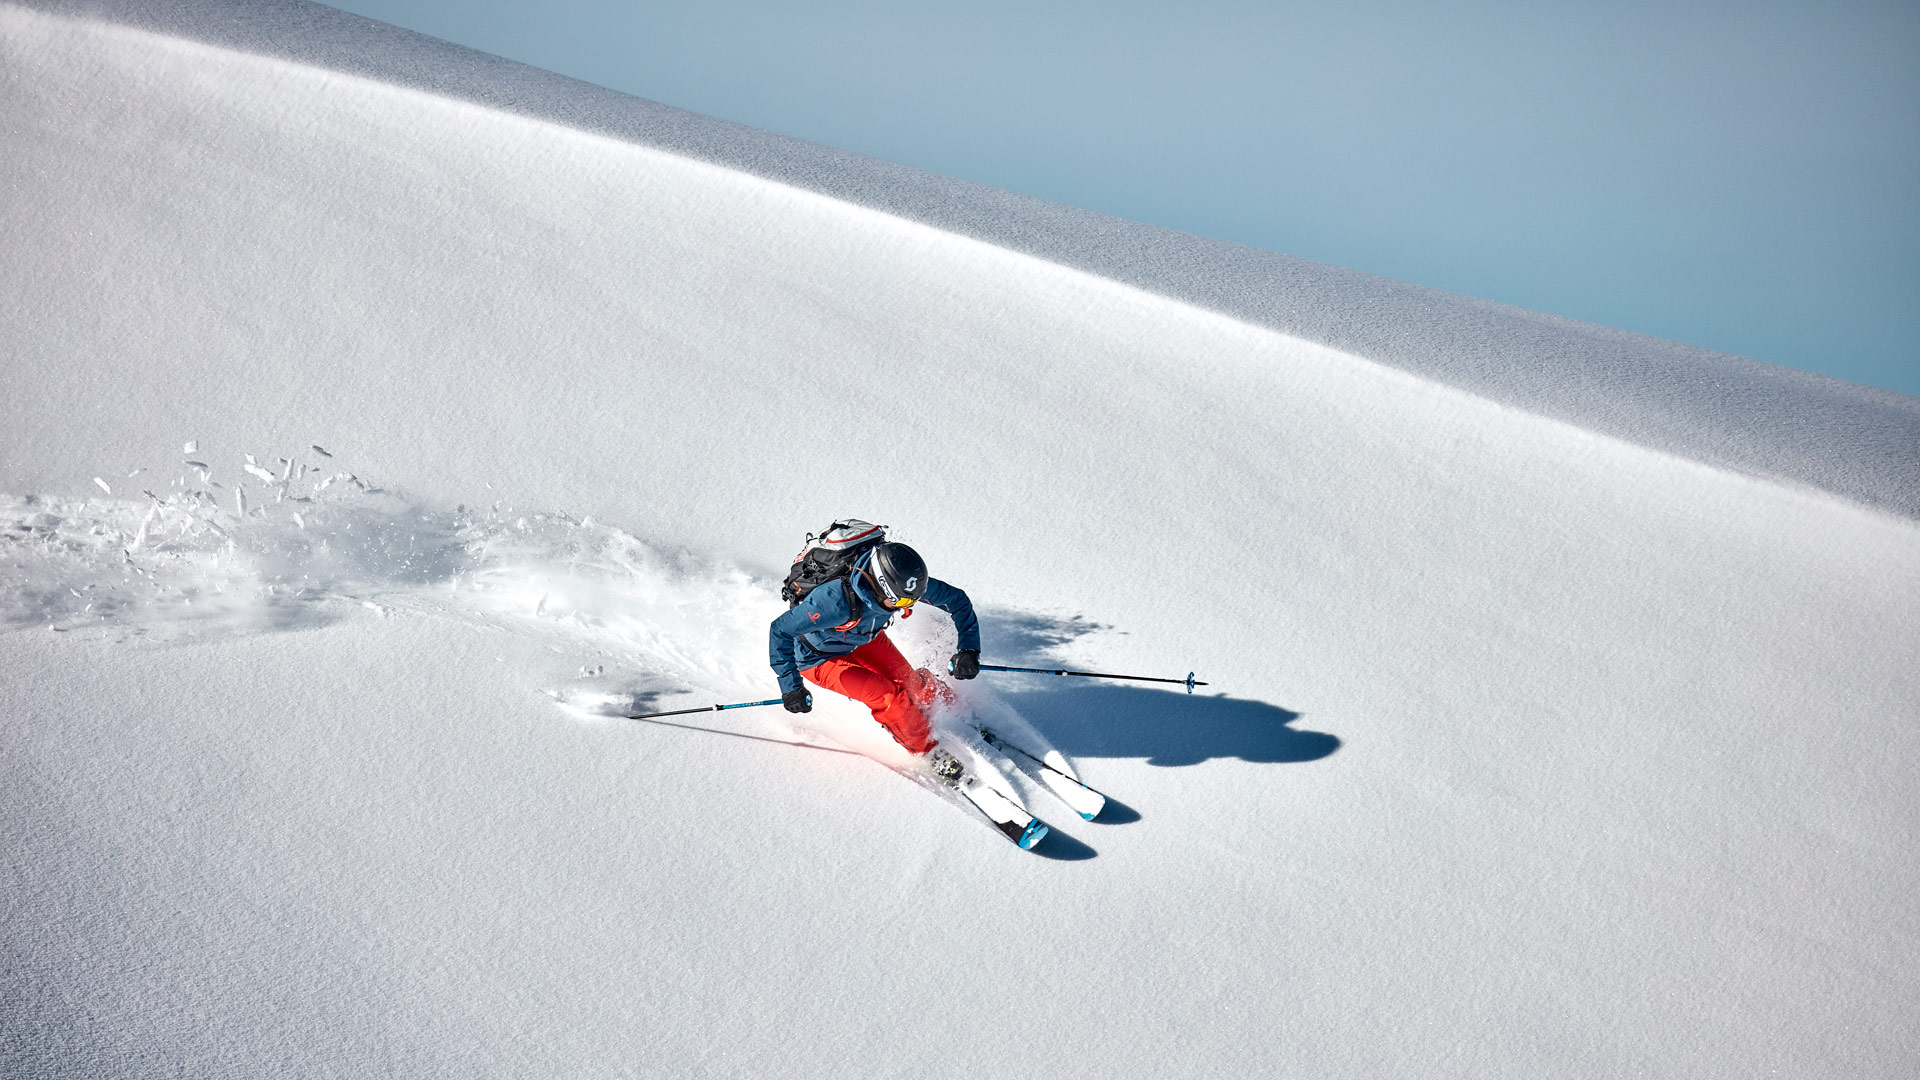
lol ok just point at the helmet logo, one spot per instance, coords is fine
(912, 583)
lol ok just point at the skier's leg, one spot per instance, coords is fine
(868, 680)
(883, 656)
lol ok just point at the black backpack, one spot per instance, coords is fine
(828, 557)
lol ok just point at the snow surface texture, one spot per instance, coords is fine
(1564, 712)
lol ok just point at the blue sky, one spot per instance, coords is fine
(1742, 176)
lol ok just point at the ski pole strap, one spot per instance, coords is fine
(1188, 682)
(703, 708)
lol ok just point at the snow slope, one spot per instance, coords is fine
(1565, 694)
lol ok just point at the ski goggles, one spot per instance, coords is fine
(885, 595)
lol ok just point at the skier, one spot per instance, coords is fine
(835, 637)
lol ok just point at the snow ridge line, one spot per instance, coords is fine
(1756, 419)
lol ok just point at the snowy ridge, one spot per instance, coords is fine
(1761, 419)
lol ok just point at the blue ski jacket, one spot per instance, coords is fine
(824, 625)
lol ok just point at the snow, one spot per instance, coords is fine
(1563, 688)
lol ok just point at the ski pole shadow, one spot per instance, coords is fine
(610, 699)
(738, 735)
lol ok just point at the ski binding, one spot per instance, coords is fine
(1006, 815)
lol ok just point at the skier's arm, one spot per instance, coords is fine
(825, 606)
(780, 639)
(955, 603)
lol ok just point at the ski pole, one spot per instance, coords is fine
(1188, 682)
(706, 708)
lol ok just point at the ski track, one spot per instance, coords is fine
(630, 625)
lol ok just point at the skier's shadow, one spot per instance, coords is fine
(1096, 718)
(1165, 727)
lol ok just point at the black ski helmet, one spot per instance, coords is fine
(897, 573)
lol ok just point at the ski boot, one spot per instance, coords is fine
(946, 768)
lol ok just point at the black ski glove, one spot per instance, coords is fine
(965, 664)
(797, 700)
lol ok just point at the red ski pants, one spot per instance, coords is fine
(877, 676)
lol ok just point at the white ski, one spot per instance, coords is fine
(1079, 798)
(1002, 810)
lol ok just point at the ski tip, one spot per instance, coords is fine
(1036, 832)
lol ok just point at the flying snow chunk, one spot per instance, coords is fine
(103, 485)
(318, 449)
(192, 447)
